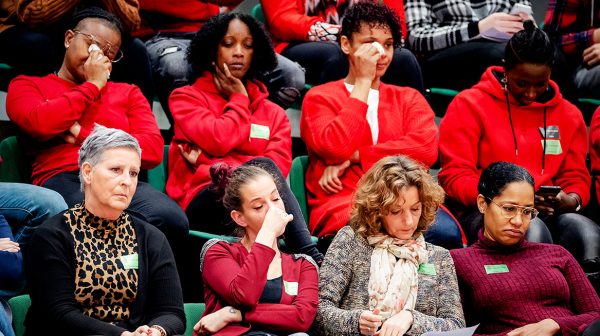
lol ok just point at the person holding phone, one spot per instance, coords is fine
(225, 117)
(517, 114)
(457, 40)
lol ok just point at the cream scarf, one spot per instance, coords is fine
(393, 283)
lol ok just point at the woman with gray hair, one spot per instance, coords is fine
(97, 269)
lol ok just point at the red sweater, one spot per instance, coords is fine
(222, 130)
(595, 148)
(287, 21)
(177, 16)
(334, 126)
(46, 107)
(543, 281)
(232, 276)
(476, 132)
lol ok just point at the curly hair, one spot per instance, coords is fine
(381, 187)
(530, 45)
(373, 14)
(202, 51)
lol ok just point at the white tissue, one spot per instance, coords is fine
(93, 47)
(379, 48)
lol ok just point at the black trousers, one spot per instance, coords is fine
(207, 213)
(325, 62)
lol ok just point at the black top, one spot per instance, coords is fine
(272, 291)
(50, 271)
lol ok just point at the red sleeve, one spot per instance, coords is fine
(398, 7)
(585, 303)
(297, 316)
(279, 148)
(44, 118)
(595, 139)
(331, 130)
(573, 175)
(238, 285)
(286, 19)
(460, 132)
(143, 127)
(420, 140)
(215, 133)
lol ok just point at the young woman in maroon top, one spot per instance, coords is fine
(251, 286)
(514, 287)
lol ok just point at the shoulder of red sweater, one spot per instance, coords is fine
(329, 88)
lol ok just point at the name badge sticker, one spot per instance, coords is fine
(495, 269)
(427, 269)
(552, 146)
(259, 131)
(130, 261)
(291, 288)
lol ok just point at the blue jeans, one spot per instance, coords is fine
(172, 70)
(26, 206)
(5, 323)
(444, 231)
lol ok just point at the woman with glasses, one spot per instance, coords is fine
(517, 114)
(514, 287)
(58, 111)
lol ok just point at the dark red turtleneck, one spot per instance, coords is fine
(543, 281)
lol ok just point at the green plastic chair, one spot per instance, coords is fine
(157, 176)
(193, 312)
(15, 166)
(258, 14)
(19, 306)
(297, 182)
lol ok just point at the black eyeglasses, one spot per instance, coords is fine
(113, 54)
(509, 211)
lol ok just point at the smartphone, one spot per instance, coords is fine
(546, 191)
(521, 8)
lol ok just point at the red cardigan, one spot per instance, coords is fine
(334, 126)
(233, 276)
(287, 21)
(476, 132)
(222, 130)
(46, 107)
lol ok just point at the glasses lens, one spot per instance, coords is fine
(509, 211)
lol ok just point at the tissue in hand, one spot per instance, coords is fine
(379, 48)
(93, 47)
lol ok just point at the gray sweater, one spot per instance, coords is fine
(343, 289)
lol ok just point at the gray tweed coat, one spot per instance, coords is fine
(343, 294)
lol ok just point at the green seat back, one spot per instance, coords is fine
(297, 183)
(157, 176)
(193, 312)
(15, 166)
(258, 14)
(19, 306)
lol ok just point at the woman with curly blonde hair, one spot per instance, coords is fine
(379, 274)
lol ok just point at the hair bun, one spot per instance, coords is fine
(219, 174)
(529, 25)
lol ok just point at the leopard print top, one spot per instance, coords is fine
(106, 277)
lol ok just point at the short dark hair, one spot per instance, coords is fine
(530, 45)
(96, 13)
(373, 14)
(203, 48)
(497, 176)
